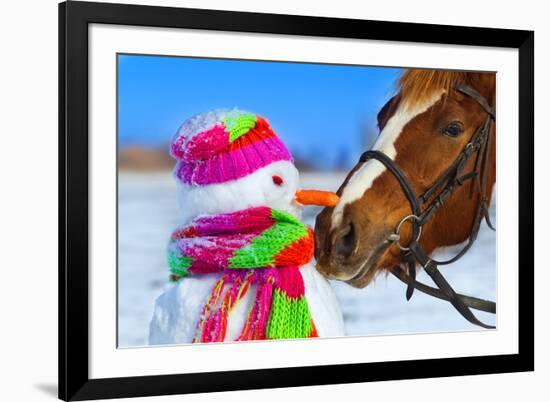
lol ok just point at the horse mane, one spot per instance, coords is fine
(418, 85)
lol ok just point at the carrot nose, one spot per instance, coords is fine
(317, 197)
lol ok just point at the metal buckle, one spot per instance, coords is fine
(469, 148)
(396, 236)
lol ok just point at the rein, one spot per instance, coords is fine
(424, 207)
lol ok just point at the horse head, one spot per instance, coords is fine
(424, 128)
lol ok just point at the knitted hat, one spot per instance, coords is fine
(224, 145)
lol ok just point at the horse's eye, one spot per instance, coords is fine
(278, 180)
(453, 129)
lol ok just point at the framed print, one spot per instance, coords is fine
(257, 200)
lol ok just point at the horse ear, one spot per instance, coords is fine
(485, 83)
(387, 111)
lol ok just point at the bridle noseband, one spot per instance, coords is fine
(424, 207)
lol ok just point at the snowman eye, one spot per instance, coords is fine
(278, 180)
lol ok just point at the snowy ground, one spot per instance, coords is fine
(148, 212)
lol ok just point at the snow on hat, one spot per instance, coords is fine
(224, 145)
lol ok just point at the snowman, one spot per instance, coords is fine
(240, 262)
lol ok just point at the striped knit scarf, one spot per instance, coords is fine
(260, 246)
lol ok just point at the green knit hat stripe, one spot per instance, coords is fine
(238, 126)
(179, 265)
(262, 250)
(285, 310)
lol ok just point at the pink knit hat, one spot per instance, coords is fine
(224, 145)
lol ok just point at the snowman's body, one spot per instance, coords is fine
(178, 309)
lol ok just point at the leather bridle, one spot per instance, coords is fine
(424, 207)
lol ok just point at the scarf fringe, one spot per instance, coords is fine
(276, 312)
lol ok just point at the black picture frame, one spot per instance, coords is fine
(74, 18)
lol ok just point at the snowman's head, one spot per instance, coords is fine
(230, 160)
(274, 186)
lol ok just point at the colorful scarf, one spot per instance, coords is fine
(261, 246)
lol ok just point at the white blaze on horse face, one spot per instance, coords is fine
(363, 178)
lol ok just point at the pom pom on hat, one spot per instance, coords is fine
(224, 145)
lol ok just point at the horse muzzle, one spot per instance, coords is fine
(348, 254)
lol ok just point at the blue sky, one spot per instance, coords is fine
(322, 112)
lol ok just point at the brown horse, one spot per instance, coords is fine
(423, 130)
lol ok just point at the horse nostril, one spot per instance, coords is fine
(346, 242)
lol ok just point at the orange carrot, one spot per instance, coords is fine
(317, 197)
